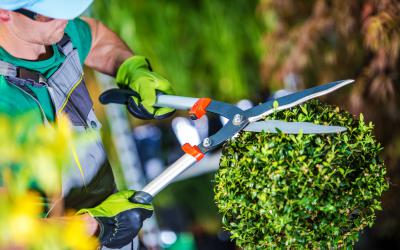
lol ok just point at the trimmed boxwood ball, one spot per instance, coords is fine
(301, 191)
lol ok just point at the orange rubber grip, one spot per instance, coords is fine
(199, 108)
(193, 151)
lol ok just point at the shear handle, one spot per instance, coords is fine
(121, 96)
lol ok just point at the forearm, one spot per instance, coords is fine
(92, 227)
(108, 51)
(90, 224)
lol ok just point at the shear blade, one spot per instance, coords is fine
(285, 102)
(273, 126)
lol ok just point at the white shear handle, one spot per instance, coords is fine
(166, 177)
(175, 102)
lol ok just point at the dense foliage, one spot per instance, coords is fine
(301, 191)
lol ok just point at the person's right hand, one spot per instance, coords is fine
(119, 219)
(136, 74)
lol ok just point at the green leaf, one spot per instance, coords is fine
(275, 104)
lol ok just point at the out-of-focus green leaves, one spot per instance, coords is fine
(33, 157)
(301, 191)
(205, 48)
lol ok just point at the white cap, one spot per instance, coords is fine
(60, 9)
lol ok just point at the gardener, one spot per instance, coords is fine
(42, 50)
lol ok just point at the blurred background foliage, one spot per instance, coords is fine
(205, 48)
(236, 49)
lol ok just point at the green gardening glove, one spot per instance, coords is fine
(119, 218)
(136, 74)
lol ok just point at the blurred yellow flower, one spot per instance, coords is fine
(36, 156)
(75, 236)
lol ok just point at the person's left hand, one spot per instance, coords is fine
(136, 74)
(119, 218)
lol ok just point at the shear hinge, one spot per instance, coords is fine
(193, 151)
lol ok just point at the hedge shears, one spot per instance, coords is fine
(238, 120)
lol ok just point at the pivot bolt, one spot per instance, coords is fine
(237, 119)
(207, 142)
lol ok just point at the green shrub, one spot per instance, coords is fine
(301, 191)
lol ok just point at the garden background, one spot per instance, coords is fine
(233, 50)
(236, 51)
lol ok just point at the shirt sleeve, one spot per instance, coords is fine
(81, 36)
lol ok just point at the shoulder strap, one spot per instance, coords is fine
(10, 70)
(21, 83)
(65, 45)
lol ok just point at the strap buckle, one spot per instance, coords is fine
(31, 76)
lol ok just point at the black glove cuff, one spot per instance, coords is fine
(106, 229)
(120, 230)
(124, 96)
(140, 112)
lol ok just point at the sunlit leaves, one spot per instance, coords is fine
(21, 227)
(33, 158)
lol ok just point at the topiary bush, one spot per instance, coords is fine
(301, 191)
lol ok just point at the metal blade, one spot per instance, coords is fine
(285, 102)
(292, 127)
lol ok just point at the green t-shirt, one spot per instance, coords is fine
(13, 102)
